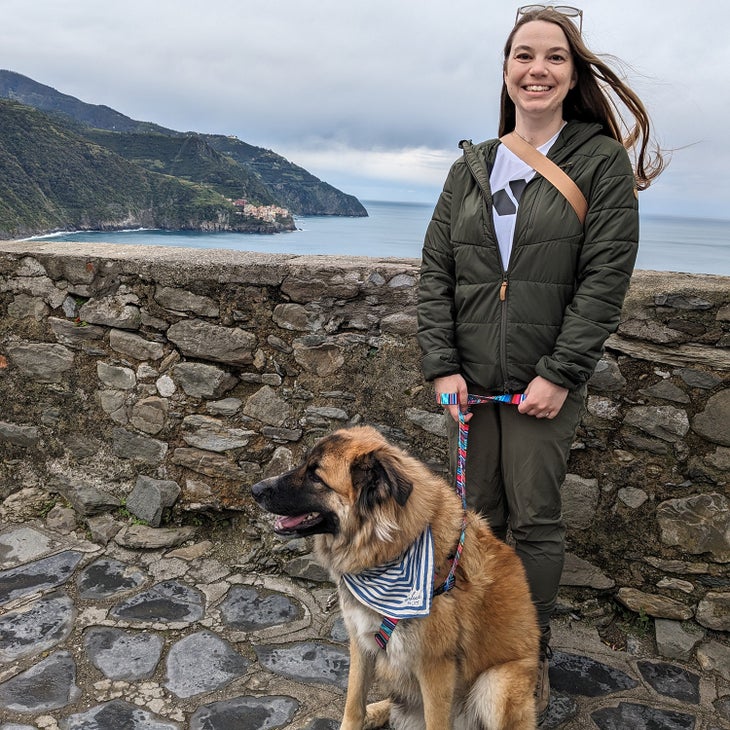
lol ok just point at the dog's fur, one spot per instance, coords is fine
(471, 664)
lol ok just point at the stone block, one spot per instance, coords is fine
(699, 524)
(116, 311)
(266, 406)
(664, 422)
(713, 423)
(181, 300)
(212, 342)
(714, 657)
(132, 345)
(713, 611)
(200, 380)
(580, 501)
(674, 641)
(116, 377)
(19, 434)
(653, 605)
(210, 434)
(318, 356)
(579, 572)
(151, 497)
(41, 362)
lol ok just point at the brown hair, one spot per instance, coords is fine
(591, 101)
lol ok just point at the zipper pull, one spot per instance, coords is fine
(503, 290)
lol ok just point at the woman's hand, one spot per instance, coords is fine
(544, 399)
(453, 384)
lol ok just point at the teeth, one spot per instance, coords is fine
(538, 88)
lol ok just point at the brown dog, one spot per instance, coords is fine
(471, 663)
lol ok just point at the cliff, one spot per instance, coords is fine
(226, 164)
(52, 179)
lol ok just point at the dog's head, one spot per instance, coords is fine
(349, 479)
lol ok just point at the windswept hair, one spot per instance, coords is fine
(596, 97)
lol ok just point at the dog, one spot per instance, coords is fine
(471, 662)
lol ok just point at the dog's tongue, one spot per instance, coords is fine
(290, 523)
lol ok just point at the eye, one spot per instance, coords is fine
(557, 58)
(314, 478)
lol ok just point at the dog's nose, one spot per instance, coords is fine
(258, 489)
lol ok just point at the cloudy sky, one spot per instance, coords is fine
(373, 95)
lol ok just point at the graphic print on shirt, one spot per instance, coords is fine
(504, 204)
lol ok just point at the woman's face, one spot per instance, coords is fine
(539, 71)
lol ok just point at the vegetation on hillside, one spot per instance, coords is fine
(223, 165)
(188, 157)
(53, 179)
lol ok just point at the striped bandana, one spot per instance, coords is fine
(402, 588)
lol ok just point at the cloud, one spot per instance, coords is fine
(407, 174)
(369, 92)
(417, 165)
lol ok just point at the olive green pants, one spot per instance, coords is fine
(515, 467)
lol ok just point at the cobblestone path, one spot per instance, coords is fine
(96, 638)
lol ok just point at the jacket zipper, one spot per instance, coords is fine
(503, 329)
(503, 290)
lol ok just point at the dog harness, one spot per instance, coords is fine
(404, 588)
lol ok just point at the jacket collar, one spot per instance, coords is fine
(572, 136)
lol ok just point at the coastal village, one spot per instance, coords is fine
(268, 213)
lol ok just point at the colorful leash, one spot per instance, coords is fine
(388, 624)
(452, 399)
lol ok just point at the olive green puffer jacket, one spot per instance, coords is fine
(550, 311)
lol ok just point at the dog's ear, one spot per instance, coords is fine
(378, 477)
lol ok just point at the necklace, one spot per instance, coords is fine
(532, 144)
(524, 139)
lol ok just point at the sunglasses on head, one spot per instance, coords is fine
(567, 10)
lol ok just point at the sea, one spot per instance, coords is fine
(692, 245)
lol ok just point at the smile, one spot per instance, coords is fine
(537, 88)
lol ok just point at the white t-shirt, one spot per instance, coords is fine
(508, 181)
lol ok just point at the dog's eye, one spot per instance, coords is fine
(314, 478)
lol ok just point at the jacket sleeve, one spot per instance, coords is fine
(606, 262)
(436, 292)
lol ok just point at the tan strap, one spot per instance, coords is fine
(549, 170)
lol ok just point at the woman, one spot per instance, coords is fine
(517, 295)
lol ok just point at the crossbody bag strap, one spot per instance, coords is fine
(550, 171)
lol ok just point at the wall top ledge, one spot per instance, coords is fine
(128, 252)
(643, 281)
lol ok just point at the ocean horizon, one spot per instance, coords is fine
(392, 229)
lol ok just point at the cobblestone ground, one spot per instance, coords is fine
(96, 638)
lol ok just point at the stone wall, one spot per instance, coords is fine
(157, 384)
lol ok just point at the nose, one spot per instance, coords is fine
(258, 489)
(538, 67)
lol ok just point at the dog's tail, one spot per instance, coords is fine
(503, 696)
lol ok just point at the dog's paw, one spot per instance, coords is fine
(377, 715)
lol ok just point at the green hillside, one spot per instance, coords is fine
(188, 157)
(53, 179)
(231, 167)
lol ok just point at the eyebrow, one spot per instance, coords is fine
(524, 47)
